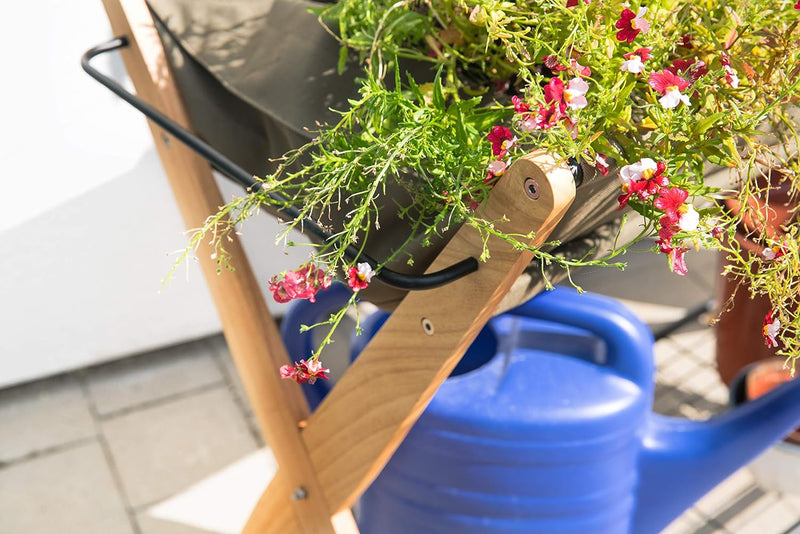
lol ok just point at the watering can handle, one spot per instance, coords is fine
(628, 340)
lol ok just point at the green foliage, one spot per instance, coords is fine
(418, 146)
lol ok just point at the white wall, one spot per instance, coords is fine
(87, 219)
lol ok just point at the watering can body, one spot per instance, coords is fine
(545, 427)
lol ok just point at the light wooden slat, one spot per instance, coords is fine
(362, 421)
(249, 329)
(354, 432)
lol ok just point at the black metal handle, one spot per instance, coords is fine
(247, 180)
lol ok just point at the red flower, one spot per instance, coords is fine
(547, 117)
(578, 69)
(359, 277)
(303, 283)
(628, 190)
(554, 92)
(670, 86)
(643, 178)
(573, 3)
(501, 140)
(305, 371)
(797, 5)
(666, 80)
(774, 252)
(630, 24)
(694, 69)
(643, 53)
(680, 65)
(520, 106)
(685, 41)
(730, 75)
(601, 164)
(552, 63)
(670, 201)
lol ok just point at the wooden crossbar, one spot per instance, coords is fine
(326, 465)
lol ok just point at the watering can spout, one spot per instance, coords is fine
(682, 460)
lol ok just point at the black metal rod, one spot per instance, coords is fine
(247, 180)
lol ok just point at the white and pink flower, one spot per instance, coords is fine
(669, 85)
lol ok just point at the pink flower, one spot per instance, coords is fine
(730, 75)
(573, 3)
(797, 5)
(771, 328)
(305, 371)
(359, 277)
(496, 168)
(574, 95)
(578, 69)
(601, 164)
(677, 260)
(303, 283)
(501, 140)
(670, 86)
(634, 61)
(630, 24)
(520, 106)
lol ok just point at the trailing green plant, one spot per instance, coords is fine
(658, 91)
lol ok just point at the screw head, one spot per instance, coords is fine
(531, 188)
(427, 326)
(299, 494)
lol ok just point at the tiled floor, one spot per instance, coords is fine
(92, 451)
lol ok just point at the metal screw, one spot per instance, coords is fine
(427, 325)
(299, 494)
(165, 138)
(531, 188)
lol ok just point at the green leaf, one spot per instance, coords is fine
(340, 66)
(704, 124)
(438, 94)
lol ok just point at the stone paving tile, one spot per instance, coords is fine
(153, 376)
(43, 415)
(698, 341)
(778, 517)
(151, 525)
(745, 508)
(64, 492)
(220, 348)
(161, 450)
(692, 522)
(717, 501)
(677, 371)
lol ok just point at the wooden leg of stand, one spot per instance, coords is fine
(361, 422)
(249, 329)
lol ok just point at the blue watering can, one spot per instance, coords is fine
(545, 427)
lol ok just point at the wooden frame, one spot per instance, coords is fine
(328, 458)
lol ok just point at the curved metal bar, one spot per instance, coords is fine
(247, 180)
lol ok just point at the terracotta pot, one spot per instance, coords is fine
(763, 377)
(739, 338)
